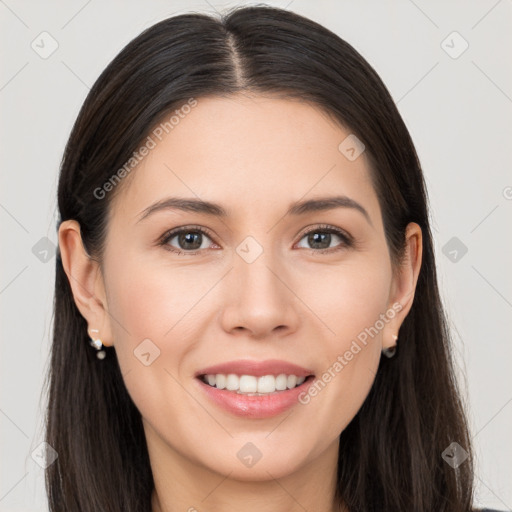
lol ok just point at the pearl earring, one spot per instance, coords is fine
(97, 344)
(391, 351)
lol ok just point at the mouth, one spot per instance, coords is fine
(253, 385)
(254, 389)
(253, 397)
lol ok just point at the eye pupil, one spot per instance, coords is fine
(317, 237)
(188, 238)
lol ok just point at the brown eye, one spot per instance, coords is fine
(187, 240)
(320, 239)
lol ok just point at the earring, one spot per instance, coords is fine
(391, 351)
(97, 344)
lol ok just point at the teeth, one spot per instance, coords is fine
(266, 384)
(281, 381)
(232, 382)
(219, 381)
(249, 384)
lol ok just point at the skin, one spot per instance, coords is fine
(254, 155)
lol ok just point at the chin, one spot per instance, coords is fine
(243, 466)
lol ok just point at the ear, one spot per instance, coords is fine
(86, 281)
(404, 284)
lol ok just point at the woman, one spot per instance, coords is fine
(246, 306)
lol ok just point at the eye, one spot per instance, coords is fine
(320, 238)
(189, 240)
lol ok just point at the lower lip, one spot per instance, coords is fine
(255, 406)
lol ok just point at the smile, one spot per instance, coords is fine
(252, 385)
(253, 404)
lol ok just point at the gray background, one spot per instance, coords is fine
(456, 105)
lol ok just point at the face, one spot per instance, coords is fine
(252, 297)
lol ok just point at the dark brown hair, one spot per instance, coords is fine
(390, 455)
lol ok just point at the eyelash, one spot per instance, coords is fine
(346, 240)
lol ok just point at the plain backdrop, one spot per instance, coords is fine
(447, 64)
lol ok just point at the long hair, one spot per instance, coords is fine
(390, 455)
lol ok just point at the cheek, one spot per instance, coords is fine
(151, 301)
(351, 303)
(150, 317)
(150, 314)
(348, 300)
(158, 313)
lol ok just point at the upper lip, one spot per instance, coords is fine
(256, 368)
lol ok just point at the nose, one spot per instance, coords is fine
(258, 300)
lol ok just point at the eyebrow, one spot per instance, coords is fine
(216, 210)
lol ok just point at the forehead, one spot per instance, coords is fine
(246, 152)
